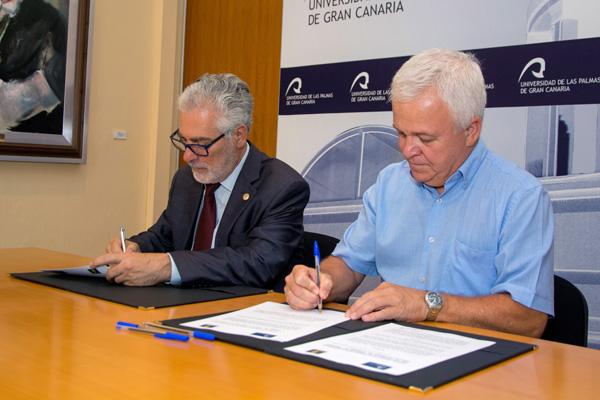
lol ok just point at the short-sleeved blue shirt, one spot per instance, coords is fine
(490, 231)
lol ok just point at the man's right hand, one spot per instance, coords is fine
(301, 290)
(114, 246)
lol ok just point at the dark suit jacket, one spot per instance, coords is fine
(257, 241)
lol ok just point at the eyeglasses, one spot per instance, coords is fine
(198, 149)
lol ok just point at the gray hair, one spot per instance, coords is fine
(228, 93)
(456, 77)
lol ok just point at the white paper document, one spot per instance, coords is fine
(85, 270)
(391, 349)
(270, 321)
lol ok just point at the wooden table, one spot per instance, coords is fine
(56, 344)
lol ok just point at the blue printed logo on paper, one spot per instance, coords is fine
(377, 366)
(262, 334)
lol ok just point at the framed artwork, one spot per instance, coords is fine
(43, 52)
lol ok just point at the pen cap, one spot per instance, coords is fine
(204, 335)
(172, 336)
(316, 251)
(126, 324)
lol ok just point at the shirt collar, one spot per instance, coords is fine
(229, 182)
(469, 168)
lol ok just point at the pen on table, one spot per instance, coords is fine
(123, 324)
(122, 232)
(165, 327)
(195, 334)
(158, 325)
(317, 254)
(161, 335)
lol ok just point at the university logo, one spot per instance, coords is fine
(535, 61)
(295, 85)
(363, 81)
(361, 93)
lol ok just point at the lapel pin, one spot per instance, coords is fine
(245, 196)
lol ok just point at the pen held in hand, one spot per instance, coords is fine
(122, 233)
(317, 254)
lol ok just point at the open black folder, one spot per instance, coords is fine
(421, 380)
(141, 297)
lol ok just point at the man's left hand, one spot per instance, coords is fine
(136, 269)
(388, 301)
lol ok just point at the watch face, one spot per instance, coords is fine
(434, 299)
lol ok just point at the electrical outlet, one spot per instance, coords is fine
(119, 135)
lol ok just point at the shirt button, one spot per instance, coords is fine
(439, 200)
(422, 279)
(431, 239)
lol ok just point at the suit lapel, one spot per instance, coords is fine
(242, 194)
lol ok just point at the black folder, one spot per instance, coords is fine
(142, 297)
(422, 380)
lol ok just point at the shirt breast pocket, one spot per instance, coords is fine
(471, 271)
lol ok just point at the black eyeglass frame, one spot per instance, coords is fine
(178, 143)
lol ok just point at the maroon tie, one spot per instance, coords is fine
(208, 219)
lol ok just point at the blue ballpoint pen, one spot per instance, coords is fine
(123, 324)
(196, 334)
(317, 254)
(161, 335)
(171, 336)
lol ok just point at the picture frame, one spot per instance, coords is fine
(57, 133)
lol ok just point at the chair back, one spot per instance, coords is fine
(326, 246)
(570, 322)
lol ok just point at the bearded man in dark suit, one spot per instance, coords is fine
(253, 203)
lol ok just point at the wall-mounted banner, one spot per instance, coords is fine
(565, 72)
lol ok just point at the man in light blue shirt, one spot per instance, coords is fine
(456, 233)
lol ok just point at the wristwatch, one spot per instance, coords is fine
(434, 303)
